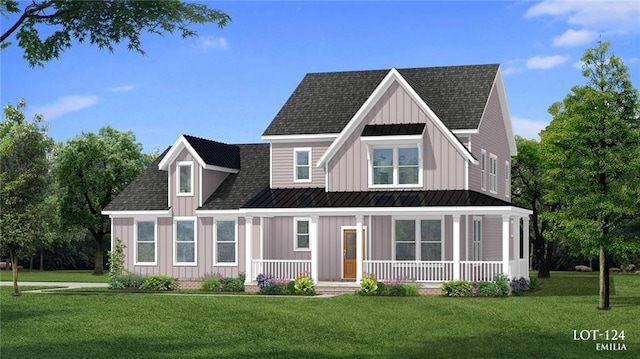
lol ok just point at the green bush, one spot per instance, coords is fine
(409, 290)
(368, 285)
(211, 283)
(159, 283)
(456, 288)
(127, 280)
(303, 285)
(233, 284)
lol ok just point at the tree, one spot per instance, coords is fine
(529, 187)
(24, 168)
(103, 23)
(90, 170)
(593, 146)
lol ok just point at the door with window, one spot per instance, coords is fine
(349, 253)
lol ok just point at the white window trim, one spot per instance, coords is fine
(295, 164)
(295, 234)
(476, 219)
(396, 179)
(183, 164)
(195, 241)
(135, 241)
(493, 175)
(418, 239)
(215, 241)
(507, 179)
(483, 170)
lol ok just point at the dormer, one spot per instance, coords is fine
(195, 168)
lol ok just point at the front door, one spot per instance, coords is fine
(349, 253)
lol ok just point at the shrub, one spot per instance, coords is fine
(211, 282)
(368, 285)
(533, 284)
(456, 288)
(409, 290)
(159, 283)
(127, 280)
(263, 280)
(233, 284)
(502, 281)
(274, 286)
(487, 289)
(303, 285)
(393, 288)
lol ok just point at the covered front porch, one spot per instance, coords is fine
(421, 245)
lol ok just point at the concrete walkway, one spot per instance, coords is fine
(61, 285)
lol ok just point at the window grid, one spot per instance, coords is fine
(493, 173)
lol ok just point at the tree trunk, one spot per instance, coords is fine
(98, 269)
(30, 263)
(14, 270)
(603, 303)
(41, 259)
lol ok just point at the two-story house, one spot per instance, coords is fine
(404, 173)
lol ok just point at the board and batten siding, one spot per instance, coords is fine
(184, 205)
(443, 165)
(210, 181)
(491, 137)
(282, 164)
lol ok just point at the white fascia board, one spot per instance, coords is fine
(391, 211)
(220, 169)
(301, 138)
(122, 214)
(384, 85)
(177, 147)
(399, 139)
(506, 116)
(466, 132)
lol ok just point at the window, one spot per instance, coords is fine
(185, 179)
(427, 248)
(493, 173)
(145, 242)
(226, 242)
(302, 164)
(483, 170)
(507, 179)
(301, 230)
(185, 241)
(395, 166)
(477, 238)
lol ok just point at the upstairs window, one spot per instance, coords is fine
(507, 179)
(185, 179)
(483, 170)
(493, 173)
(395, 166)
(302, 165)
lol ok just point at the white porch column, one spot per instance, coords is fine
(248, 248)
(516, 246)
(505, 244)
(313, 244)
(359, 248)
(525, 243)
(456, 246)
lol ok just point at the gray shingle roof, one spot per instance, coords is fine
(238, 188)
(325, 102)
(148, 192)
(215, 153)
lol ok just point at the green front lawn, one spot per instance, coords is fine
(85, 276)
(539, 325)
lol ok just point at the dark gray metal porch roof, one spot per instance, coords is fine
(318, 198)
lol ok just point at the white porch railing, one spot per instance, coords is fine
(475, 271)
(410, 270)
(281, 268)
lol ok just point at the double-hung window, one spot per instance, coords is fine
(418, 239)
(145, 242)
(395, 166)
(301, 236)
(185, 179)
(507, 179)
(493, 173)
(302, 165)
(477, 238)
(483, 170)
(185, 241)
(226, 243)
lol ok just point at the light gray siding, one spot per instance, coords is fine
(443, 165)
(492, 137)
(282, 164)
(184, 205)
(210, 181)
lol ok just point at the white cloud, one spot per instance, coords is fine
(546, 62)
(527, 128)
(64, 105)
(212, 43)
(604, 15)
(124, 88)
(578, 65)
(574, 38)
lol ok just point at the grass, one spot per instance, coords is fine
(85, 276)
(536, 325)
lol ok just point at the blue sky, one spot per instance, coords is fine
(228, 84)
